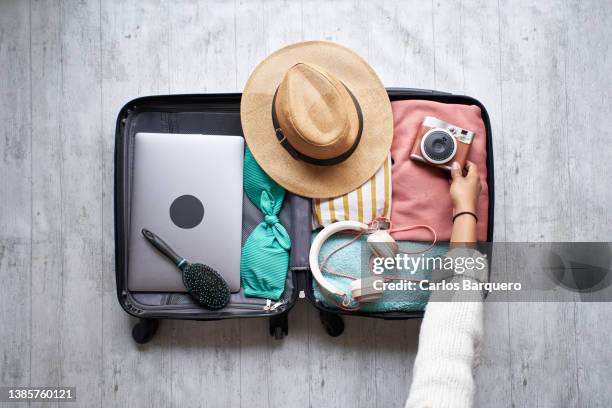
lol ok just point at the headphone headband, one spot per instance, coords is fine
(315, 249)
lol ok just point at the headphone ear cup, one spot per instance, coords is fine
(382, 244)
(367, 289)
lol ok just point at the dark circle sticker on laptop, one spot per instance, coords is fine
(186, 211)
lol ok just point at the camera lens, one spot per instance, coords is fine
(438, 146)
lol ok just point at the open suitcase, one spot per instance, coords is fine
(220, 114)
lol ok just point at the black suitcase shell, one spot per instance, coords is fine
(184, 113)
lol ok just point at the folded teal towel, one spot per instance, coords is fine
(348, 261)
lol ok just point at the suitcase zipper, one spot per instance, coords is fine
(269, 307)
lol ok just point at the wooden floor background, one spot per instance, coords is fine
(66, 67)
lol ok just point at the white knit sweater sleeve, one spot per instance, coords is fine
(449, 342)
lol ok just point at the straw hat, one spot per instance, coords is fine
(317, 119)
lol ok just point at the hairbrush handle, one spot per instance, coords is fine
(162, 247)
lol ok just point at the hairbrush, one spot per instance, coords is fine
(203, 283)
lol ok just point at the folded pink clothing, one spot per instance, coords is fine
(420, 192)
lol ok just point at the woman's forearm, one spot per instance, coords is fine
(464, 229)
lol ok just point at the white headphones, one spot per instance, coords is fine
(362, 290)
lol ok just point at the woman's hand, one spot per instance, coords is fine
(464, 193)
(464, 190)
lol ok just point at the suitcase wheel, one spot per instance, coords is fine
(278, 333)
(144, 330)
(279, 326)
(333, 323)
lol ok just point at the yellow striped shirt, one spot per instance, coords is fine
(370, 200)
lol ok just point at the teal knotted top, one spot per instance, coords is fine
(265, 255)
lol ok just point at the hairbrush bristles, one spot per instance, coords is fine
(207, 287)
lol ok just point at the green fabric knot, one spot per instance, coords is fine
(271, 220)
(265, 255)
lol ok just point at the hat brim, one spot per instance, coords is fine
(299, 177)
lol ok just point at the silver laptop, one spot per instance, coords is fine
(187, 189)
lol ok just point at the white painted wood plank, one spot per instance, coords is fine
(341, 21)
(135, 51)
(255, 364)
(589, 90)
(588, 62)
(80, 324)
(396, 348)
(15, 196)
(542, 345)
(205, 367)
(202, 47)
(282, 23)
(400, 37)
(47, 162)
(289, 377)
(250, 39)
(534, 111)
(342, 369)
(449, 25)
(205, 356)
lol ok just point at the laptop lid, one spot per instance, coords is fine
(187, 189)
